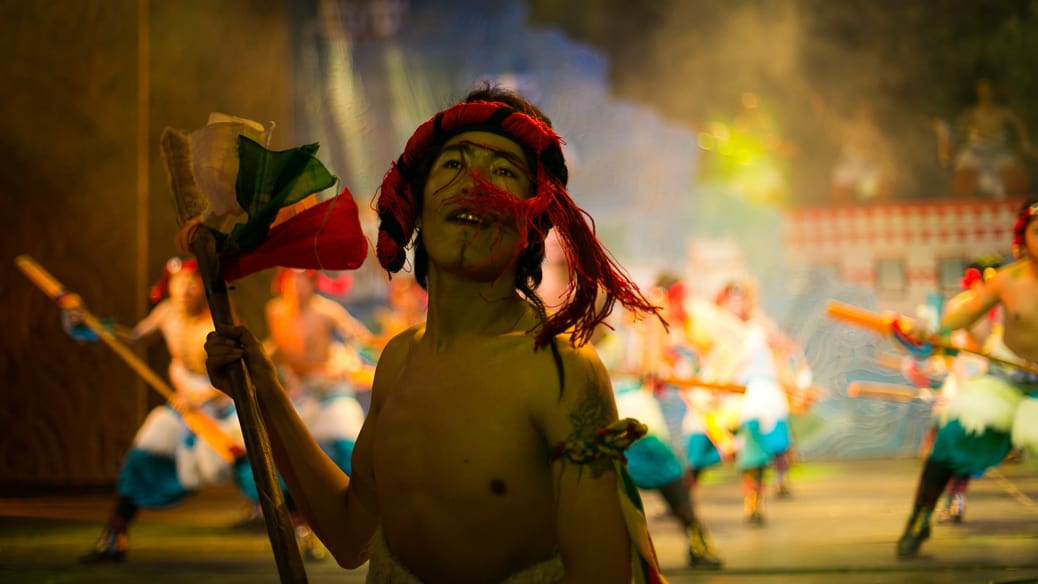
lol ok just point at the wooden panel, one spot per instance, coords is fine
(70, 149)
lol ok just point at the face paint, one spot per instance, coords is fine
(593, 271)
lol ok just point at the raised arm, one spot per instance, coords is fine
(970, 306)
(592, 537)
(345, 323)
(341, 511)
(150, 324)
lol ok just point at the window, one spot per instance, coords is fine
(891, 277)
(949, 274)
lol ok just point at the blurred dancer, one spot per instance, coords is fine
(168, 462)
(313, 342)
(651, 460)
(738, 353)
(997, 410)
(984, 335)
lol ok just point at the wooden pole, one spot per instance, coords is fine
(201, 242)
(688, 382)
(257, 440)
(877, 389)
(884, 324)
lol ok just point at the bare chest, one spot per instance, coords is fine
(460, 459)
(463, 420)
(185, 339)
(1021, 319)
(305, 336)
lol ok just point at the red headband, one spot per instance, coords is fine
(1027, 213)
(160, 289)
(396, 202)
(591, 267)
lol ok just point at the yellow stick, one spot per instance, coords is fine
(199, 422)
(689, 382)
(883, 390)
(711, 385)
(884, 324)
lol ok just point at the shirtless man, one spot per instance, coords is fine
(313, 342)
(162, 467)
(982, 335)
(995, 411)
(481, 458)
(313, 339)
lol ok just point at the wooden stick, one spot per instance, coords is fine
(884, 324)
(893, 391)
(202, 243)
(198, 421)
(711, 385)
(688, 382)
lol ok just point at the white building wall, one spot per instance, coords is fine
(897, 248)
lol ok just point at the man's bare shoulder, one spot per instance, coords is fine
(1010, 280)
(1014, 271)
(327, 306)
(582, 358)
(585, 403)
(391, 359)
(162, 309)
(580, 364)
(401, 342)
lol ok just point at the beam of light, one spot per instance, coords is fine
(409, 95)
(345, 99)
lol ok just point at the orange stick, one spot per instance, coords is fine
(884, 324)
(688, 382)
(198, 421)
(893, 391)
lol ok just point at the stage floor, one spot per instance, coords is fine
(840, 525)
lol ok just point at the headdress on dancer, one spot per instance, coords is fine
(741, 287)
(592, 268)
(674, 289)
(970, 277)
(730, 289)
(980, 270)
(175, 265)
(338, 285)
(1028, 212)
